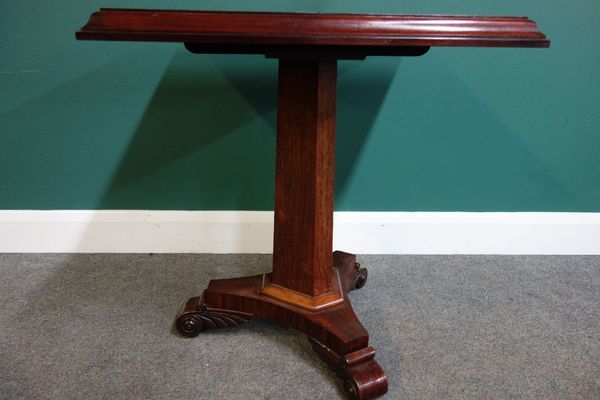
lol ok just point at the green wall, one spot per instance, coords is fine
(115, 125)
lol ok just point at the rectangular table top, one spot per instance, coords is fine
(264, 29)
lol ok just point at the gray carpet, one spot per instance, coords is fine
(444, 327)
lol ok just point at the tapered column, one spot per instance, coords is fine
(304, 183)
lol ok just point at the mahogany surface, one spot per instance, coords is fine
(308, 286)
(304, 175)
(336, 333)
(256, 29)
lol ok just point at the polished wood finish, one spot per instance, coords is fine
(336, 333)
(260, 30)
(312, 303)
(308, 286)
(304, 176)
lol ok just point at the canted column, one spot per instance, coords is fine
(304, 183)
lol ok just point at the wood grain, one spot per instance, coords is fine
(336, 333)
(304, 176)
(308, 287)
(260, 31)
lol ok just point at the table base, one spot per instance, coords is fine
(335, 333)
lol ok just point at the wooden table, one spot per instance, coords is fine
(308, 287)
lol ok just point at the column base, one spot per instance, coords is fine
(335, 333)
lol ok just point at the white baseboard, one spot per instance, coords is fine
(24, 231)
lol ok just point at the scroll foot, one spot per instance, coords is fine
(195, 317)
(352, 274)
(359, 277)
(363, 378)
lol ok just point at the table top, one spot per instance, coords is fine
(258, 32)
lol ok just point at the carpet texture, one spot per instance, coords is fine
(100, 326)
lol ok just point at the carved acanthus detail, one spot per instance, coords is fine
(193, 322)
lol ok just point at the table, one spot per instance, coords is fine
(309, 284)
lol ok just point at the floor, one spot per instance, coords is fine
(100, 326)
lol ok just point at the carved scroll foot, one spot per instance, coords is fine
(359, 277)
(195, 317)
(363, 378)
(352, 274)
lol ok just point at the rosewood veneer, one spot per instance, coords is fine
(308, 287)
